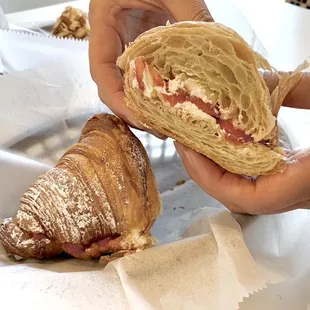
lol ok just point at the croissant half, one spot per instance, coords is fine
(101, 198)
(199, 83)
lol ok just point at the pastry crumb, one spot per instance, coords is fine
(181, 207)
(180, 182)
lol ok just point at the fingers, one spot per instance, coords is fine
(226, 187)
(300, 205)
(271, 80)
(301, 154)
(194, 10)
(266, 195)
(299, 158)
(109, 32)
(281, 191)
(104, 47)
(299, 96)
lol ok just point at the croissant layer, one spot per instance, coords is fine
(100, 198)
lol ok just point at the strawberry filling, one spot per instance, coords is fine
(92, 250)
(140, 69)
(83, 251)
(180, 96)
(232, 133)
(38, 236)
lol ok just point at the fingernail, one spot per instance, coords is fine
(179, 147)
(184, 152)
(287, 152)
(157, 134)
(136, 123)
(204, 16)
(148, 129)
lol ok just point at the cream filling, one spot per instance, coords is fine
(189, 85)
(193, 110)
(148, 83)
(227, 113)
(135, 83)
(133, 74)
(193, 88)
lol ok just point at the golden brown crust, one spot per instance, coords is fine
(100, 198)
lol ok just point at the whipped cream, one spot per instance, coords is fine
(148, 83)
(133, 74)
(191, 108)
(193, 88)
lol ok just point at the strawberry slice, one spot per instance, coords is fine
(203, 106)
(157, 80)
(140, 66)
(182, 96)
(232, 133)
(179, 97)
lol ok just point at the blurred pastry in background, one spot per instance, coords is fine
(73, 23)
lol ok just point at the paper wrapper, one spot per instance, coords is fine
(206, 258)
(212, 268)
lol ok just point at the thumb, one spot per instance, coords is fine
(191, 10)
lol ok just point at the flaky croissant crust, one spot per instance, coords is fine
(100, 198)
(217, 57)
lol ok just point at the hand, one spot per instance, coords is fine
(115, 23)
(298, 98)
(272, 194)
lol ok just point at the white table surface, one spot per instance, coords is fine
(283, 28)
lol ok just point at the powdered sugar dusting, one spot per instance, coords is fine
(82, 199)
(70, 211)
(105, 216)
(27, 222)
(10, 234)
(138, 156)
(140, 160)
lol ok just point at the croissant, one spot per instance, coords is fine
(201, 84)
(100, 198)
(73, 23)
